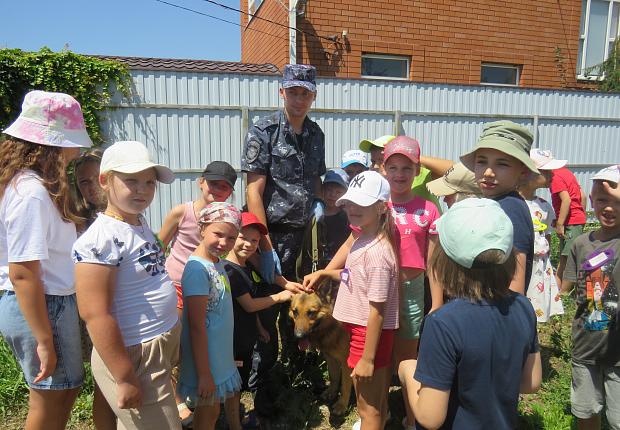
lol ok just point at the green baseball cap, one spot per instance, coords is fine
(473, 226)
(366, 144)
(505, 136)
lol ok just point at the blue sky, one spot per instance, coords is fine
(142, 28)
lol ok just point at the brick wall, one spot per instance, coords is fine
(447, 40)
(261, 41)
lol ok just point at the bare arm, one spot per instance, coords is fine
(254, 196)
(436, 288)
(340, 258)
(196, 316)
(366, 365)
(30, 293)
(251, 304)
(285, 284)
(531, 377)
(95, 285)
(567, 286)
(518, 280)
(437, 166)
(171, 224)
(564, 210)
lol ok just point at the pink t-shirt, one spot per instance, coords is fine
(564, 180)
(370, 275)
(185, 242)
(415, 220)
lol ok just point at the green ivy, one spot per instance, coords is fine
(609, 70)
(92, 81)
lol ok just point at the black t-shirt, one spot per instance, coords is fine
(336, 233)
(245, 333)
(596, 335)
(517, 210)
(477, 351)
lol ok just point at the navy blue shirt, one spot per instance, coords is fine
(477, 351)
(515, 207)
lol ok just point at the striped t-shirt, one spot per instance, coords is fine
(370, 275)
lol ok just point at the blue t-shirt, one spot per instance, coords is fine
(478, 350)
(517, 210)
(204, 278)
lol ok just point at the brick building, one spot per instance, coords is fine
(528, 43)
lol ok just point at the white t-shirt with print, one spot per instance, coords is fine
(144, 303)
(31, 229)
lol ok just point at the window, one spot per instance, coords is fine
(500, 74)
(379, 66)
(599, 30)
(253, 6)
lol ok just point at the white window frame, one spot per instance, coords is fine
(501, 66)
(253, 4)
(584, 37)
(388, 57)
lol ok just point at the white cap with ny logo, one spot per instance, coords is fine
(366, 189)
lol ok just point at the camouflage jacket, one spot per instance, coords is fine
(291, 163)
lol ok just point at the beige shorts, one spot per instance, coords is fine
(152, 362)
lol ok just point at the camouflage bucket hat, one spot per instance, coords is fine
(505, 136)
(299, 75)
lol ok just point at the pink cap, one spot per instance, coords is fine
(404, 145)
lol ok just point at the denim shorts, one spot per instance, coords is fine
(63, 315)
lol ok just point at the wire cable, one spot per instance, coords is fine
(218, 18)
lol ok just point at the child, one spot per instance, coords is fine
(40, 321)
(458, 183)
(367, 300)
(568, 201)
(479, 350)
(89, 196)
(125, 295)
(543, 290)
(414, 218)
(375, 149)
(251, 294)
(501, 162)
(208, 375)
(592, 266)
(180, 226)
(322, 239)
(354, 162)
(89, 200)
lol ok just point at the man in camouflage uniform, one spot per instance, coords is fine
(284, 158)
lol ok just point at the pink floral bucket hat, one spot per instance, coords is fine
(52, 119)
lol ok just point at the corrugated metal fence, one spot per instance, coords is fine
(190, 119)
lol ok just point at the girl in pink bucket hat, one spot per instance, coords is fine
(40, 321)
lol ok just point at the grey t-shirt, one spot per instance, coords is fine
(593, 266)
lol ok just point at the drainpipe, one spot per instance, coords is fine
(292, 32)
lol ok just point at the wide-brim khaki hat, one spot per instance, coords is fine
(505, 136)
(458, 179)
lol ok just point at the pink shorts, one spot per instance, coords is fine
(383, 356)
(179, 290)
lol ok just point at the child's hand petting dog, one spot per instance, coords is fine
(363, 369)
(284, 296)
(293, 287)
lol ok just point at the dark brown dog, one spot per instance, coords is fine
(314, 322)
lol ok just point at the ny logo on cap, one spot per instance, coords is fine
(357, 181)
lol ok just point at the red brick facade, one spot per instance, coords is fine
(446, 40)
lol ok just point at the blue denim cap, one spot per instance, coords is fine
(299, 75)
(337, 176)
(473, 226)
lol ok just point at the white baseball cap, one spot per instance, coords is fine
(366, 189)
(132, 157)
(354, 156)
(543, 159)
(473, 226)
(608, 174)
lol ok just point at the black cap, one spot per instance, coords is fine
(220, 171)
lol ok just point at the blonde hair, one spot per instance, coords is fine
(47, 162)
(85, 208)
(388, 231)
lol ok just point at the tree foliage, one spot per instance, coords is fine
(609, 70)
(92, 81)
